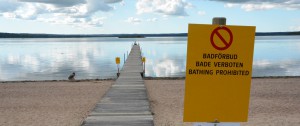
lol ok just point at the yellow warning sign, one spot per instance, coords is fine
(117, 60)
(144, 59)
(218, 73)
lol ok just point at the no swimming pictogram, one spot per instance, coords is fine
(225, 44)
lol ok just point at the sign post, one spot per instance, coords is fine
(144, 65)
(118, 62)
(218, 73)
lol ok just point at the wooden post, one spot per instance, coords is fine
(219, 21)
(118, 74)
(144, 68)
(118, 62)
(124, 58)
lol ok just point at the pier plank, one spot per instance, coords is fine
(126, 102)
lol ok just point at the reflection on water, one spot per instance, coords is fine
(55, 59)
(165, 59)
(277, 56)
(92, 58)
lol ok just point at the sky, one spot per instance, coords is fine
(143, 16)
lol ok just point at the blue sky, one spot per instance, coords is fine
(143, 16)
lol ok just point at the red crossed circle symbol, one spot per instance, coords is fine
(225, 42)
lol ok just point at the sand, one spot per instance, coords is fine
(273, 102)
(48, 103)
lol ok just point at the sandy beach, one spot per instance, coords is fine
(273, 102)
(59, 103)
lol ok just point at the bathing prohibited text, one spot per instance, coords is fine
(218, 73)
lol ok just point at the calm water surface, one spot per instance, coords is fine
(92, 58)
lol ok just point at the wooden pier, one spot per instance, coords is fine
(126, 102)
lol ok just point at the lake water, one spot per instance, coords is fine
(94, 58)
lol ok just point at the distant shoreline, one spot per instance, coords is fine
(29, 35)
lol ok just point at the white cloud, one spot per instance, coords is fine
(201, 13)
(112, 1)
(133, 20)
(251, 5)
(263, 6)
(27, 11)
(58, 3)
(165, 7)
(295, 28)
(76, 22)
(152, 19)
(96, 5)
(90, 8)
(260, 1)
(231, 5)
(71, 12)
(122, 3)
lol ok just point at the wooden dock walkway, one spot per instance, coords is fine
(126, 102)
